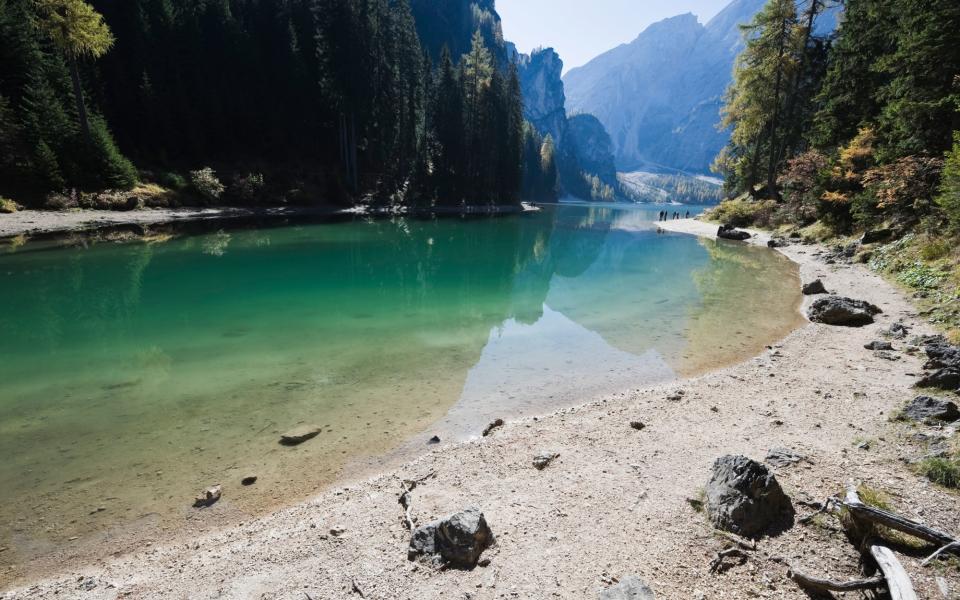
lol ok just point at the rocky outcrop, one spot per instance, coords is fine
(844, 312)
(630, 587)
(458, 540)
(925, 408)
(544, 102)
(744, 497)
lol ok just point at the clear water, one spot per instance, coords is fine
(134, 375)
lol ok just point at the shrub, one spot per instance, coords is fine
(904, 188)
(172, 181)
(205, 183)
(62, 200)
(949, 198)
(934, 249)
(803, 185)
(8, 206)
(743, 212)
(247, 188)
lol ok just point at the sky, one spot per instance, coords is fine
(580, 30)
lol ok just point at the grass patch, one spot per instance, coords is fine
(942, 471)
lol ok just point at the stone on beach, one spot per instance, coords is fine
(630, 587)
(814, 287)
(208, 497)
(729, 232)
(844, 312)
(299, 435)
(744, 497)
(877, 345)
(925, 408)
(458, 540)
(543, 460)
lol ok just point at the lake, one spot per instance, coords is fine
(133, 375)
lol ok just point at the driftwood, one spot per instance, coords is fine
(716, 565)
(406, 500)
(736, 539)
(862, 512)
(356, 588)
(951, 547)
(828, 585)
(898, 582)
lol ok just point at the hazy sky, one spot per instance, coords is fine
(580, 30)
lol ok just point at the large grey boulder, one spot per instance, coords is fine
(924, 408)
(729, 232)
(458, 540)
(744, 497)
(630, 587)
(845, 312)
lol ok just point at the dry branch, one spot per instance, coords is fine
(863, 512)
(828, 585)
(717, 563)
(951, 547)
(898, 582)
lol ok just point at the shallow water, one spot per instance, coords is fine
(134, 375)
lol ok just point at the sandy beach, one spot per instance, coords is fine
(615, 501)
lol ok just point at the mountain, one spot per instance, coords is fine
(659, 96)
(451, 23)
(584, 154)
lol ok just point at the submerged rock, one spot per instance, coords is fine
(543, 460)
(208, 497)
(814, 287)
(458, 540)
(299, 435)
(630, 587)
(729, 232)
(248, 480)
(925, 408)
(744, 497)
(844, 312)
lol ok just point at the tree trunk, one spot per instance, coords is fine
(815, 7)
(78, 96)
(772, 166)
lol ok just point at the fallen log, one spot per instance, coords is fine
(863, 512)
(828, 585)
(898, 582)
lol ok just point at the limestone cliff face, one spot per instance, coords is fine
(659, 96)
(544, 102)
(593, 147)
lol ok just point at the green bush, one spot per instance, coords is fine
(172, 180)
(934, 250)
(743, 212)
(204, 181)
(247, 188)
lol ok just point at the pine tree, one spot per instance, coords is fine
(78, 31)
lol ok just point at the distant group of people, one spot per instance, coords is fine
(666, 215)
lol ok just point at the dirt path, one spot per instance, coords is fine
(613, 503)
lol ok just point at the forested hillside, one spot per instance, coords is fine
(288, 100)
(854, 132)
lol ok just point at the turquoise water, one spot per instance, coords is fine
(133, 375)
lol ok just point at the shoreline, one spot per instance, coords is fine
(613, 503)
(77, 221)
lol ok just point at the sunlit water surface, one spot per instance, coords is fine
(134, 375)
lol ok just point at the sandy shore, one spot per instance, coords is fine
(36, 222)
(613, 503)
